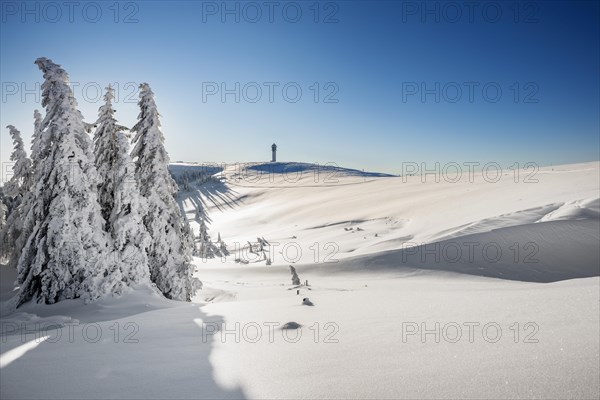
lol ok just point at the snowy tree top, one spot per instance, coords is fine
(109, 95)
(19, 148)
(20, 182)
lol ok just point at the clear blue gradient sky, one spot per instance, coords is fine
(544, 57)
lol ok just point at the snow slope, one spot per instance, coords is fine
(398, 216)
(386, 258)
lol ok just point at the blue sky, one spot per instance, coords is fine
(361, 66)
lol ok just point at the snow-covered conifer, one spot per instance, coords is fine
(17, 188)
(105, 151)
(20, 182)
(118, 194)
(39, 151)
(3, 213)
(295, 278)
(125, 223)
(66, 255)
(39, 145)
(205, 249)
(170, 251)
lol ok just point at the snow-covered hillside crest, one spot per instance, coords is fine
(170, 252)
(392, 222)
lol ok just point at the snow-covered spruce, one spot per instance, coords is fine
(67, 254)
(222, 246)
(3, 213)
(20, 182)
(119, 197)
(16, 189)
(125, 223)
(170, 251)
(39, 152)
(295, 278)
(105, 152)
(39, 146)
(204, 247)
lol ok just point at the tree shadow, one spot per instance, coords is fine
(219, 195)
(162, 353)
(212, 194)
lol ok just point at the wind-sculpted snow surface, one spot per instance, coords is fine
(419, 290)
(399, 271)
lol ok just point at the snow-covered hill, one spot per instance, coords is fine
(392, 222)
(386, 256)
(420, 290)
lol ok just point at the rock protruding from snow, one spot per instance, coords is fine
(306, 301)
(291, 325)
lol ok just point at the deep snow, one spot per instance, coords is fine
(367, 245)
